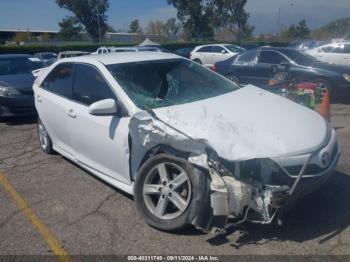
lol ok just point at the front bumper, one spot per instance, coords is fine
(18, 105)
(309, 184)
(260, 199)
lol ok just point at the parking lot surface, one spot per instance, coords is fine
(86, 216)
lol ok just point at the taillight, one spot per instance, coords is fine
(214, 68)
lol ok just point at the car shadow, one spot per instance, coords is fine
(324, 215)
(345, 100)
(18, 121)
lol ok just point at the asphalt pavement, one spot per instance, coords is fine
(49, 205)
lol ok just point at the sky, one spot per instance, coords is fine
(45, 14)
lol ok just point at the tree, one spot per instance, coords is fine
(339, 28)
(135, 26)
(90, 13)
(231, 14)
(195, 16)
(70, 28)
(172, 28)
(156, 28)
(298, 31)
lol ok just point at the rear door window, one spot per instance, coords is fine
(205, 49)
(60, 80)
(271, 57)
(217, 49)
(89, 86)
(247, 57)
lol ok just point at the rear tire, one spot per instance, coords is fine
(44, 139)
(198, 61)
(163, 192)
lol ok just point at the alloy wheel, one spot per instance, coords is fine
(167, 191)
(43, 136)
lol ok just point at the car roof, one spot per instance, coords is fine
(123, 48)
(124, 57)
(14, 56)
(276, 48)
(42, 53)
(214, 44)
(74, 52)
(336, 43)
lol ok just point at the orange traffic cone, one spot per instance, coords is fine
(324, 107)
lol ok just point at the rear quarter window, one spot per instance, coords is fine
(59, 81)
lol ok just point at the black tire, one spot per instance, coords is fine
(233, 78)
(43, 134)
(198, 61)
(154, 221)
(326, 84)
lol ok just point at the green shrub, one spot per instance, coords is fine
(32, 49)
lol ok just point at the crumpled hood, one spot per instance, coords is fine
(249, 123)
(21, 82)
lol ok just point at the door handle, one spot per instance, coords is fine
(38, 98)
(71, 113)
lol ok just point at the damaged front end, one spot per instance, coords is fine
(231, 192)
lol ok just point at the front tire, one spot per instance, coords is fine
(163, 192)
(44, 138)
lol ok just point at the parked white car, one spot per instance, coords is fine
(336, 53)
(190, 145)
(102, 50)
(105, 50)
(68, 54)
(210, 54)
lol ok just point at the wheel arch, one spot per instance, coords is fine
(157, 150)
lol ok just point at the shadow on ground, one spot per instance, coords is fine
(17, 121)
(324, 214)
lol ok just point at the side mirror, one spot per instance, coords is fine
(274, 69)
(223, 52)
(286, 64)
(103, 107)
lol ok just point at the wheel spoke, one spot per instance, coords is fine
(161, 206)
(179, 180)
(178, 201)
(150, 189)
(162, 172)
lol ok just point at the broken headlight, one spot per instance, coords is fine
(264, 171)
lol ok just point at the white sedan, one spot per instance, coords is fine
(335, 53)
(208, 55)
(191, 146)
